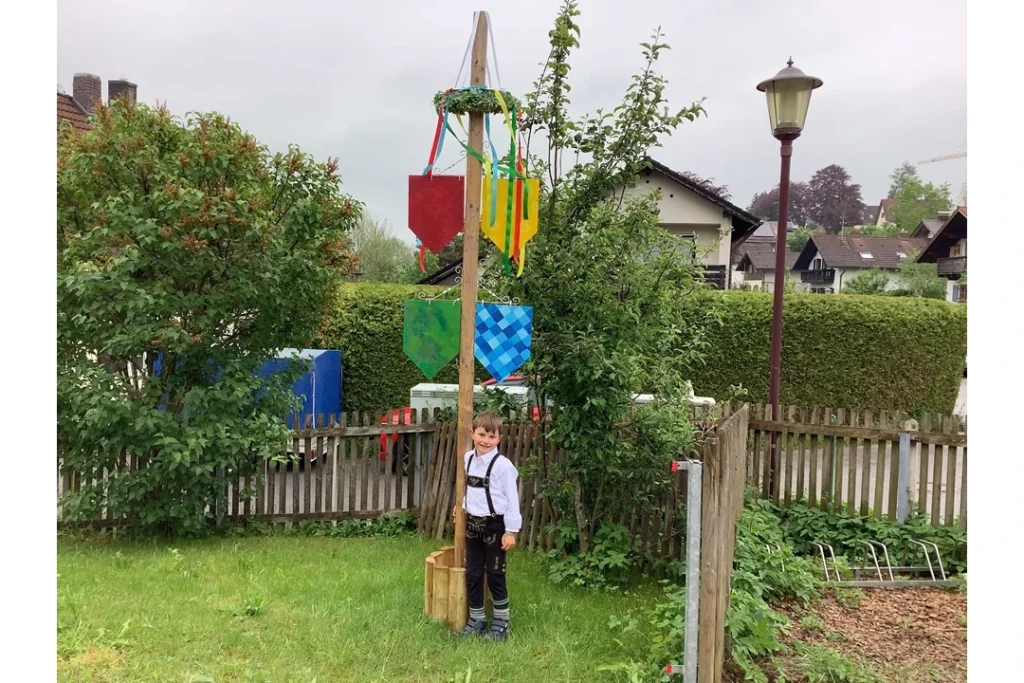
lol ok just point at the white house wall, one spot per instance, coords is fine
(682, 212)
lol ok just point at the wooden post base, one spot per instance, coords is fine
(444, 589)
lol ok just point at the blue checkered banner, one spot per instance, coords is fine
(504, 334)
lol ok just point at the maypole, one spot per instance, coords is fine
(499, 200)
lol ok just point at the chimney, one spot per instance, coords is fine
(121, 88)
(87, 89)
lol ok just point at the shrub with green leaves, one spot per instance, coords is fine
(803, 525)
(188, 254)
(865, 352)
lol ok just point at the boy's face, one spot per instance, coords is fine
(484, 439)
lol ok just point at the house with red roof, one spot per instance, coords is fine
(827, 261)
(948, 250)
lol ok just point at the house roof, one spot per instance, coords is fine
(928, 227)
(845, 251)
(883, 208)
(871, 214)
(952, 231)
(68, 109)
(451, 269)
(744, 223)
(761, 255)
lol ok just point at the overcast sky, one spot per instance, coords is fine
(354, 80)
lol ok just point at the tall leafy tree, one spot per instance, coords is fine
(187, 255)
(836, 201)
(903, 173)
(605, 283)
(917, 201)
(383, 257)
(765, 205)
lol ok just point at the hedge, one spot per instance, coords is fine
(866, 352)
(365, 323)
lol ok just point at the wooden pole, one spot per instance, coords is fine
(470, 261)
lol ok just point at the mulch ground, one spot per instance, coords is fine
(907, 635)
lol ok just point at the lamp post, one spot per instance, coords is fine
(789, 95)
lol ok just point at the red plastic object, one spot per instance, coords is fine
(436, 208)
(675, 465)
(385, 438)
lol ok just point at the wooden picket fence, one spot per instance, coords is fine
(335, 472)
(657, 526)
(849, 460)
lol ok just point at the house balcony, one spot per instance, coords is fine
(952, 268)
(755, 276)
(818, 277)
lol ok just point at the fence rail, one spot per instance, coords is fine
(849, 460)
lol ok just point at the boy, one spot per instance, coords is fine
(492, 522)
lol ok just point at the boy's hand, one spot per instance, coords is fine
(508, 541)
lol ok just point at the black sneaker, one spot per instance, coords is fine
(474, 627)
(499, 630)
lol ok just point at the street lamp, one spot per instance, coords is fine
(789, 95)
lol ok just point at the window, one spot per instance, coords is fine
(816, 265)
(866, 254)
(960, 293)
(901, 254)
(955, 251)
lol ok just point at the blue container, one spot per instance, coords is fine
(319, 387)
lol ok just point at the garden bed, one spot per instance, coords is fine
(903, 635)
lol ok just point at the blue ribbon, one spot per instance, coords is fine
(440, 142)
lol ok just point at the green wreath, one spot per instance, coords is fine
(475, 101)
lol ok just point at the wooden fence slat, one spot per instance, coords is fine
(801, 458)
(839, 447)
(870, 454)
(926, 449)
(767, 465)
(940, 451)
(853, 455)
(881, 459)
(814, 443)
(947, 518)
(963, 489)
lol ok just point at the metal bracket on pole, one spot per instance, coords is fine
(694, 479)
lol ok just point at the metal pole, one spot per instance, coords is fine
(780, 285)
(694, 497)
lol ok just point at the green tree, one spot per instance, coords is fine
(903, 173)
(917, 201)
(187, 255)
(383, 257)
(797, 238)
(870, 281)
(605, 283)
(921, 279)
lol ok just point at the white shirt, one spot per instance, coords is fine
(504, 488)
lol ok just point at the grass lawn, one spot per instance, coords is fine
(280, 609)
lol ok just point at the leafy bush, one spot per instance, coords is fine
(870, 281)
(867, 352)
(187, 254)
(803, 525)
(753, 627)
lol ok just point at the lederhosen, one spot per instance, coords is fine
(483, 545)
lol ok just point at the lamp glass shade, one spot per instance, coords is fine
(789, 96)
